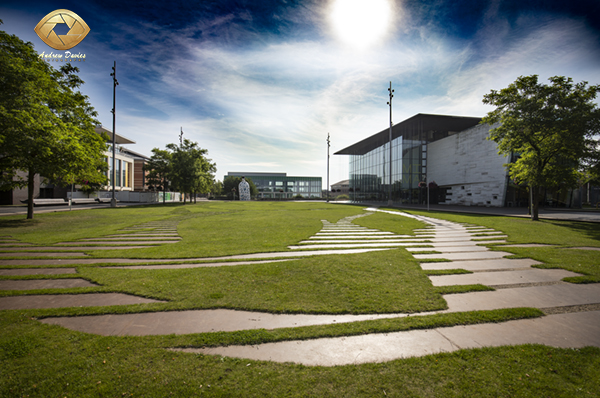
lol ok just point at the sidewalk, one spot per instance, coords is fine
(544, 213)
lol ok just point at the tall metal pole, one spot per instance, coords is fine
(113, 201)
(391, 93)
(328, 144)
(181, 138)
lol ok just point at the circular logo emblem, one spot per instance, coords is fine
(78, 29)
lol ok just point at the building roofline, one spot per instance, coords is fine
(119, 139)
(423, 121)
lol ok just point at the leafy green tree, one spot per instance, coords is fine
(231, 182)
(191, 171)
(159, 169)
(217, 188)
(96, 179)
(550, 127)
(46, 125)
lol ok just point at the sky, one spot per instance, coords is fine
(261, 83)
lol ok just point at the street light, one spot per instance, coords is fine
(113, 201)
(391, 93)
(328, 142)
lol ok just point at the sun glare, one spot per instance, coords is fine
(361, 23)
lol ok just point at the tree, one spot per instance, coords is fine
(231, 182)
(159, 169)
(191, 172)
(550, 127)
(46, 125)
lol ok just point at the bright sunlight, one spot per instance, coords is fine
(360, 23)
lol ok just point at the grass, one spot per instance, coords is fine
(45, 360)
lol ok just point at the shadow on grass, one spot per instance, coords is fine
(589, 229)
(7, 225)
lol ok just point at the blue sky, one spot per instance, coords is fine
(260, 83)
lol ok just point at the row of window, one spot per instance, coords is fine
(123, 175)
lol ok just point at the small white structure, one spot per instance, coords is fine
(244, 189)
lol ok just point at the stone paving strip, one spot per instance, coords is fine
(43, 254)
(482, 265)
(528, 275)
(70, 300)
(36, 271)
(29, 284)
(274, 255)
(199, 321)
(572, 330)
(69, 248)
(117, 244)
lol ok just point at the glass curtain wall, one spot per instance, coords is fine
(369, 173)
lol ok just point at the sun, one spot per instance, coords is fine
(360, 23)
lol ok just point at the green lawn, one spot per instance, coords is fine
(44, 360)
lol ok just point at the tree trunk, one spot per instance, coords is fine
(535, 195)
(30, 186)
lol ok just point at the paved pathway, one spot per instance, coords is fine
(575, 321)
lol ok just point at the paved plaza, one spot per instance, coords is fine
(572, 311)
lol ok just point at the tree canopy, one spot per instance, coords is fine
(551, 128)
(158, 168)
(46, 124)
(183, 167)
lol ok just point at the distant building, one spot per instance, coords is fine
(449, 154)
(282, 186)
(340, 188)
(124, 162)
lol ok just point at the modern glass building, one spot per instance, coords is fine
(282, 186)
(370, 178)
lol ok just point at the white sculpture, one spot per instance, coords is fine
(244, 189)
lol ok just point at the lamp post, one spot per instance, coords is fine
(328, 144)
(113, 201)
(391, 93)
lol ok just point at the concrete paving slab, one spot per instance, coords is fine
(200, 265)
(118, 243)
(199, 321)
(368, 237)
(323, 241)
(464, 239)
(14, 244)
(70, 248)
(465, 243)
(352, 350)
(131, 238)
(36, 271)
(570, 330)
(42, 254)
(527, 245)
(450, 249)
(573, 330)
(532, 275)
(463, 256)
(70, 300)
(559, 295)
(353, 233)
(482, 265)
(350, 245)
(290, 254)
(30, 284)
(159, 234)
